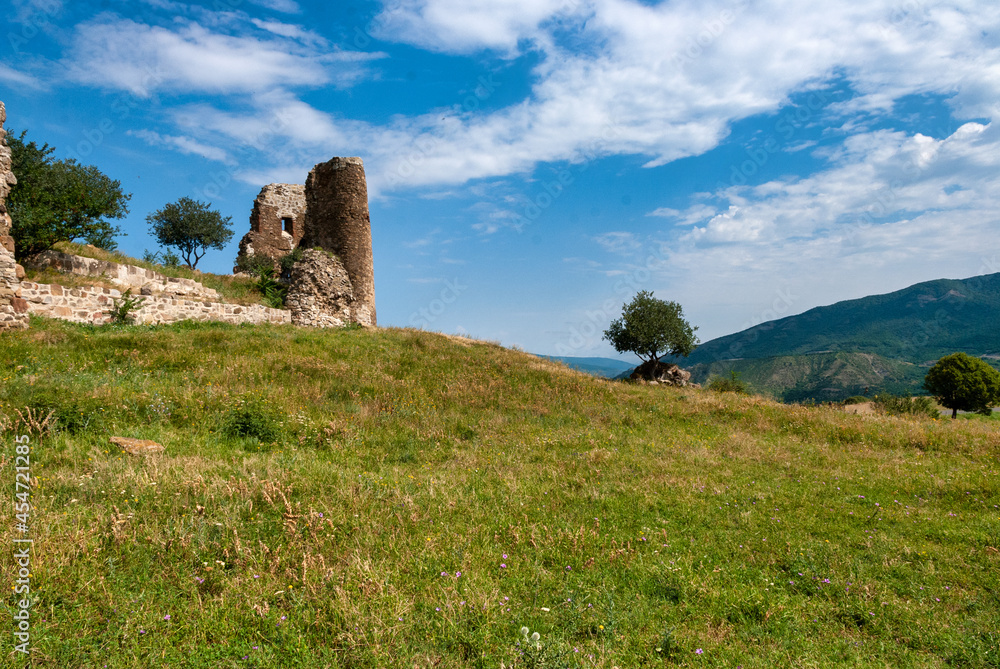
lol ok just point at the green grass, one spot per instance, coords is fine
(629, 525)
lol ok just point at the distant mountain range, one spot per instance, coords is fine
(875, 343)
(607, 367)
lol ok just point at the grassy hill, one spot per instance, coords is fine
(884, 342)
(395, 498)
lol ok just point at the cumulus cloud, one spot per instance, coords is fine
(185, 56)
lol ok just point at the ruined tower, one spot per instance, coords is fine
(276, 222)
(337, 221)
(13, 309)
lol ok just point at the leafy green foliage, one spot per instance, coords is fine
(651, 328)
(191, 227)
(253, 417)
(165, 257)
(733, 384)
(905, 405)
(963, 383)
(254, 264)
(289, 260)
(60, 200)
(274, 291)
(122, 311)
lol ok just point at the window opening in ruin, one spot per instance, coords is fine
(286, 225)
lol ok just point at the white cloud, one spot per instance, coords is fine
(121, 53)
(13, 77)
(285, 6)
(618, 242)
(182, 144)
(892, 210)
(460, 26)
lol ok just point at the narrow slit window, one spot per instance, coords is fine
(287, 225)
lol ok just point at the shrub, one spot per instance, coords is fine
(122, 310)
(253, 417)
(166, 258)
(855, 399)
(905, 405)
(733, 384)
(287, 261)
(254, 264)
(273, 291)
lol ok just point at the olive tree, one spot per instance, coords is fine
(651, 328)
(963, 383)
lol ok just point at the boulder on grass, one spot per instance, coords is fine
(663, 373)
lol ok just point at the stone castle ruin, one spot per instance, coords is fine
(331, 285)
(276, 223)
(13, 309)
(334, 283)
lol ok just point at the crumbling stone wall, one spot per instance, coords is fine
(277, 208)
(144, 281)
(320, 293)
(90, 304)
(337, 221)
(13, 309)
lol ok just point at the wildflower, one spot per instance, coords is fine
(166, 617)
(524, 631)
(699, 651)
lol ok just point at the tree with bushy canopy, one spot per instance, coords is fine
(963, 383)
(651, 328)
(60, 200)
(191, 227)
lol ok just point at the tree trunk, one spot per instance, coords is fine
(954, 414)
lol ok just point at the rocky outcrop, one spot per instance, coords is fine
(13, 309)
(337, 221)
(277, 223)
(320, 293)
(663, 373)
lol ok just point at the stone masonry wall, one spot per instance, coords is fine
(91, 305)
(13, 308)
(143, 281)
(320, 293)
(337, 221)
(267, 235)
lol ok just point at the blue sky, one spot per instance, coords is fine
(532, 164)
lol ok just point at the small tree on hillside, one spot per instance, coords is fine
(651, 328)
(963, 383)
(190, 227)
